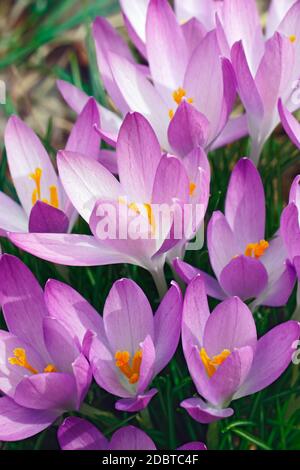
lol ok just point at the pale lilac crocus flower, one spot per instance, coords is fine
(129, 346)
(44, 206)
(245, 264)
(150, 185)
(259, 94)
(42, 372)
(224, 356)
(78, 434)
(178, 100)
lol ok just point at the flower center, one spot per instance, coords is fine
(192, 188)
(139, 208)
(256, 250)
(20, 359)
(179, 95)
(211, 364)
(36, 193)
(293, 38)
(131, 369)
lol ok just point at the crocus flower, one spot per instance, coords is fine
(179, 101)
(129, 347)
(149, 181)
(43, 372)
(245, 264)
(224, 356)
(281, 60)
(79, 434)
(290, 225)
(45, 206)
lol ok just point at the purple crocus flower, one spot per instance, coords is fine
(281, 60)
(224, 356)
(149, 182)
(45, 206)
(79, 434)
(179, 101)
(43, 372)
(290, 225)
(245, 264)
(129, 347)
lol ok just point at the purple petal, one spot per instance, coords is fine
(13, 218)
(167, 325)
(230, 326)
(83, 137)
(188, 129)
(138, 403)
(194, 31)
(235, 129)
(78, 434)
(17, 422)
(295, 192)
(60, 344)
(127, 316)
(147, 365)
(203, 412)
(53, 390)
(131, 438)
(69, 307)
(139, 154)
(134, 15)
(290, 230)
(271, 361)
(244, 277)
(193, 446)
(83, 377)
(47, 219)
(290, 124)
(108, 158)
(22, 302)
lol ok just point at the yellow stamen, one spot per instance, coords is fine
(131, 371)
(192, 188)
(20, 359)
(211, 364)
(178, 95)
(171, 113)
(136, 208)
(50, 368)
(256, 250)
(293, 38)
(36, 193)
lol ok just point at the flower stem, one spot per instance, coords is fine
(159, 279)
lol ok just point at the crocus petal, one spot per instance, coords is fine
(167, 325)
(188, 129)
(245, 204)
(166, 47)
(276, 13)
(295, 192)
(127, 316)
(83, 137)
(139, 154)
(47, 219)
(230, 326)
(171, 181)
(247, 88)
(68, 249)
(135, 21)
(195, 315)
(141, 96)
(25, 153)
(108, 158)
(83, 378)
(12, 217)
(235, 129)
(78, 434)
(60, 344)
(193, 31)
(290, 26)
(22, 302)
(104, 370)
(133, 405)
(17, 422)
(69, 307)
(221, 244)
(85, 181)
(188, 272)
(290, 230)
(244, 277)
(193, 446)
(131, 438)
(203, 412)
(108, 40)
(290, 124)
(269, 361)
(52, 390)
(147, 365)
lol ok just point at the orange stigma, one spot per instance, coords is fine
(178, 95)
(256, 250)
(211, 364)
(20, 359)
(293, 38)
(131, 371)
(192, 188)
(36, 193)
